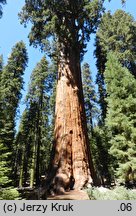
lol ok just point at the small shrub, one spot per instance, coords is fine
(9, 194)
(118, 193)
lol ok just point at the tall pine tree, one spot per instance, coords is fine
(1, 68)
(36, 125)
(10, 87)
(38, 99)
(121, 118)
(90, 97)
(116, 33)
(97, 135)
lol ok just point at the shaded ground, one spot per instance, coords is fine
(36, 194)
(71, 195)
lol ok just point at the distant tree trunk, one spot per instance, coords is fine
(38, 158)
(32, 172)
(21, 170)
(71, 158)
(91, 119)
(38, 128)
(26, 162)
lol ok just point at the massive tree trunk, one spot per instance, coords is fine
(71, 159)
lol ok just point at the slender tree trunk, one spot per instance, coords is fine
(38, 160)
(71, 159)
(26, 162)
(21, 170)
(39, 136)
(91, 119)
(16, 165)
(38, 139)
(32, 172)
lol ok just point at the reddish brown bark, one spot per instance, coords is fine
(71, 159)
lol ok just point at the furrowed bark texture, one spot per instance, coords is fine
(71, 159)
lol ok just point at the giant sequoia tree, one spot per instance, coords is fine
(71, 23)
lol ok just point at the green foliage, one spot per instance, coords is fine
(71, 22)
(121, 117)
(116, 33)
(6, 193)
(38, 100)
(10, 86)
(9, 194)
(118, 193)
(97, 135)
(90, 97)
(2, 2)
(1, 64)
(101, 158)
(34, 139)
(1, 68)
(4, 170)
(22, 149)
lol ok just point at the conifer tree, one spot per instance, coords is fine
(11, 86)
(34, 136)
(3, 166)
(97, 135)
(1, 64)
(6, 192)
(90, 97)
(23, 150)
(117, 33)
(71, 22)
(1, 68)
(121, 117)
(10, 93)
(2, 2)
(36, 97)
(4, 170)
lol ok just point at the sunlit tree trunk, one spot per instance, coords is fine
(71, 151)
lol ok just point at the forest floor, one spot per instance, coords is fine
(71, 195)
(35, 194)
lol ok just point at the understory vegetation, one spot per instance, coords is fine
(117, 193)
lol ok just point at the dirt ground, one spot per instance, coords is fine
(71, 195)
